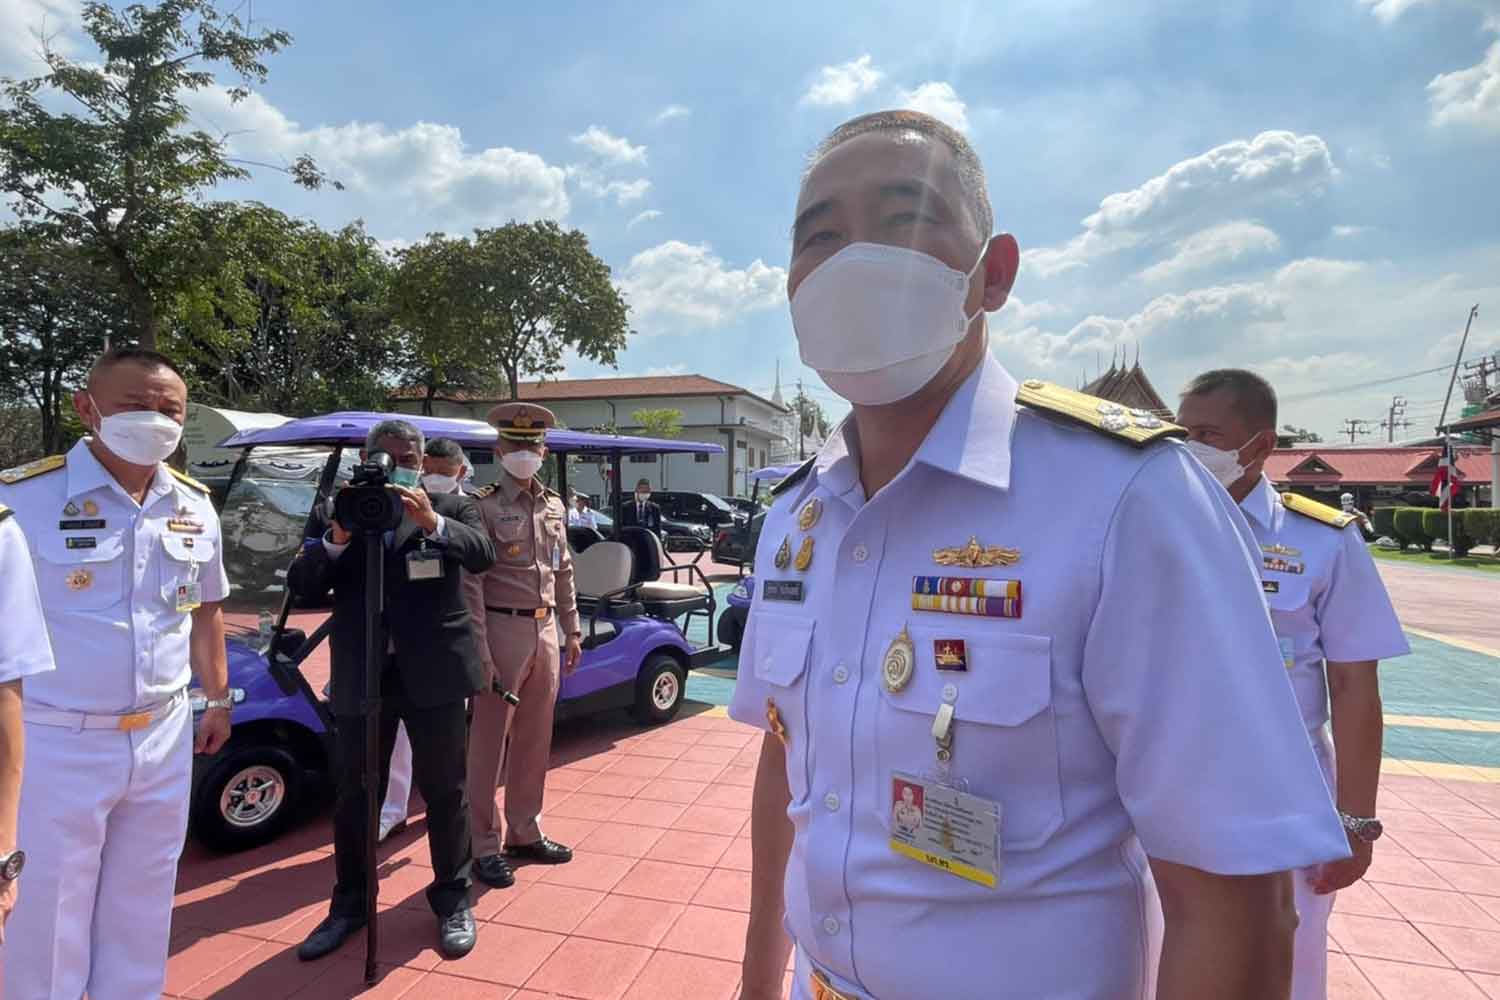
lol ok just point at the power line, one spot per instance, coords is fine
(1302, 397)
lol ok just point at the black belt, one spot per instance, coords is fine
(540, 614)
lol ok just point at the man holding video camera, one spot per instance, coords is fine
(431, 667)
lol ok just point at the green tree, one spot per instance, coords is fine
(1299, 435)
(810, 416)
(56, 316)
(442, 351)
(294, 319)
(118, 175)
(660, 423)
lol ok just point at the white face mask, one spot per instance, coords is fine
(436, 483)
(878, 322)
(642, 497)
(1222, 465)
(521, 465)
(140, 437)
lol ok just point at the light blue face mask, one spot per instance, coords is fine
(402, 476)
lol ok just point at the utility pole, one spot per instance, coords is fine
(1395, 417)
(1354, 426)
(801, 416)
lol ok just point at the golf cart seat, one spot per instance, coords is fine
(601, 576)
(581, 537)
(673, 597)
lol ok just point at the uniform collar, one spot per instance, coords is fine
(513, 489)
(1260, 505)
(86, 474)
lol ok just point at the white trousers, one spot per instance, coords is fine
(398, 790)
(1310, 949)
(102, 822)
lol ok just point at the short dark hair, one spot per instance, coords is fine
(643, 482)
(970, 169)
(446, 448)
(133, 355)
(1253, 396)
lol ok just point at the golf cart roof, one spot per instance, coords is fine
(350, 428)
(773, 473)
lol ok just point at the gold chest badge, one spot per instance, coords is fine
(899, 661)
(804, 555)
(79, 580)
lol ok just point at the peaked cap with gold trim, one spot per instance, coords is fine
(524, 422)
(1135, 427)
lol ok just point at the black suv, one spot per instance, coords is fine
(697, 508)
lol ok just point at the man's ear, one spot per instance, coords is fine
(1001, 262)
(1263, 444)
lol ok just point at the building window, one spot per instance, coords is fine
(763, 457)
(642, 459)
(741, 444)
(478, 458)
(701, 457)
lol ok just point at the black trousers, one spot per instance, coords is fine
(439, 750)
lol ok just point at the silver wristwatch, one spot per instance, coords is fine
(226, 703)
(11, 865)
(1365, 828)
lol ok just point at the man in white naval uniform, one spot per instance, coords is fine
(1074, 682)
(127, 556)
(1329, 606)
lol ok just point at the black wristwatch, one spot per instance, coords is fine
(11, 865)
(1365, 828)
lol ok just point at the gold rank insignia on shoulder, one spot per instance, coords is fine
(20, 473)
(804, 555)
(973, 555)
(1320, 512)
(1138, 427)
(899, 662)
(784, 553)
(808, 516)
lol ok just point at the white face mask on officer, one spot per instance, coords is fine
(434, 482)
(877, 322)
(140, 437)
(1223, 465)
(521, 465)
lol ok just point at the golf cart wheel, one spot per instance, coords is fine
(247, 799)
(659, 689)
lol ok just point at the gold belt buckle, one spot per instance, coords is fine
(822, 989)
(135, 720)
(540, 614)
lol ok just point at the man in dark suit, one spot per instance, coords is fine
(642, 512)
(431, 666)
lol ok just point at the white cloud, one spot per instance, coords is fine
(843, 84)
(23, 26)
(1227, 178)
(1215, 246)
(648, 215)
(1469, 96)
(590, 182)
(602, 143)
(427, 165)
(1349, 232)
(689, 284)
(939, 100)
(672, 111)
(1387, 11)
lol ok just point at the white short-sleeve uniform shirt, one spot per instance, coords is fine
(24, 649)
(1136, 707)
(109, 572)
(1326, 597)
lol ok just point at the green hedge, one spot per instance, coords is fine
(1384, 519)
(1435, 525)
(1482, 524)
(1409, 530)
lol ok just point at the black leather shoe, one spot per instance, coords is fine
(327, 936)
(544, 851)
(456, 934)
(494, 871)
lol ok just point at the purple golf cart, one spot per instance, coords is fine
(635, 605)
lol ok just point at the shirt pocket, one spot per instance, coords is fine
(1004, 730)
(81, 579)
(781, 654)
(512, 544)
(185, 559)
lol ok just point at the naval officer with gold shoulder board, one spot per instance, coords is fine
(128, 563)
(1334, 624)
(1070, 693)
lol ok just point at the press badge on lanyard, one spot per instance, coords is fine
(556, 556)
(424, 564)
(934, 821)
(190, 594)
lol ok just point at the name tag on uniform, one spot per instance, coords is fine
(189, 596)
(82, 524)
(781, 590)
(1270, 586)
(83, 542)
(946, 829)
(424, 565)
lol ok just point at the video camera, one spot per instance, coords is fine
(366, 505)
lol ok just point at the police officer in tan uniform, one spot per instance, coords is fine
(523, 609)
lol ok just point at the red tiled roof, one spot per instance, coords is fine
(1484, 418)
(1369, 466)
(597, 388)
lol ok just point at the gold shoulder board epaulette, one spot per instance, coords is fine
(188, 480)
(483, 491)
(795, 478)
(32, 469)
(1321, 512)
(1136, 427)
(5, 512)
(551, 493)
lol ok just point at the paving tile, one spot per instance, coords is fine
(711, 933)
(593, 970)
(1480, 880)
(726, 796)
(639, 767)
(505, 955)
(203, 954)
(253, 913)
(549, 907)
(1372, 937)
(610, 783)
(408, 938)
(567, 830)
(687, 848)
(560, 780)
(674, 883)
(1431, 906)
(270, 970)
(712, 819)
(1403, 981)
(644, 812)
(446, 987)
(1488, 846)
(582, 805)
(738, 855)
(1439, 800)
(624, 839)
(1363, 899)
(1404, 870)
(345, 978)
(736, 740)
(725, 889)
(673, 976)
(709, 754)
(666, 751)
(630, 920)
(693, 770)
(671, 789)
(404, 884)
(599, 872)
(1489, 984)
(1345, 981)
(744, 776)
(1400, 822)
(1444, 847)
(1470, 826)
(1467, 948)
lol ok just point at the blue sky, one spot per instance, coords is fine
(1305, 189)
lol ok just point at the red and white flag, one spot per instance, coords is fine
(1445, 484)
